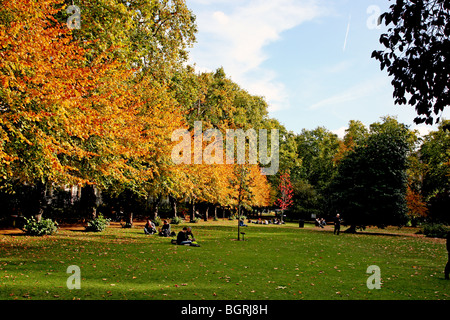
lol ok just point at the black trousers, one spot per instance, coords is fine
(337, 228)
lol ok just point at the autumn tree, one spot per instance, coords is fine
(96, 106)
(241, 185)
(54, 104)
(286, 191)
(417, 207)
(151, 37)
(74, 116)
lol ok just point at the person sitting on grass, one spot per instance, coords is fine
(165, 230)
(183, 237)
(241, 223)
(149, 227)
(320, 222)
(190, 234)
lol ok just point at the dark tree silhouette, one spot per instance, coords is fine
(370, 186)
(417, 55)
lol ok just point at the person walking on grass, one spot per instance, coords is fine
(337, 224)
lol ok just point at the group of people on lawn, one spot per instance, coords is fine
(337, 223)
(184, 237)
(260, 221)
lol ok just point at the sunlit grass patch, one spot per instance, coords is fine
(274, 262)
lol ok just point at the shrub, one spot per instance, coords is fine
(435, 230)
(176, 220)
(40, 228)
(98, 224)
(157, 221)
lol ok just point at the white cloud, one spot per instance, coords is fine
(234, 37)
(354, 93)
(423, 129)
(340, 132)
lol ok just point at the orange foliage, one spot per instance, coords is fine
(67, 117)
(417, 208)
(70, 119)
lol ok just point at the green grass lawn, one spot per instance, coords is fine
(273, 263)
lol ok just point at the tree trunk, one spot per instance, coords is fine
(156, 207)
(94, 213)
(215, 212)
(41, 199)
(130, 218)
(155, 211)
(192, 211)
(173, 202)
(239, 221)
(38, 216)
(88, 201)
(206, 213)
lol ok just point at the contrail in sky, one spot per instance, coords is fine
(346, 34)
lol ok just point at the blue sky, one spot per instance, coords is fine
(310, 59)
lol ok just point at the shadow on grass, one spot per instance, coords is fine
(348, 231)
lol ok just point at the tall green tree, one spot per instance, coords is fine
(150, 35)
(435, 157)
(316, 149)
(370, 186)
(355, 134)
